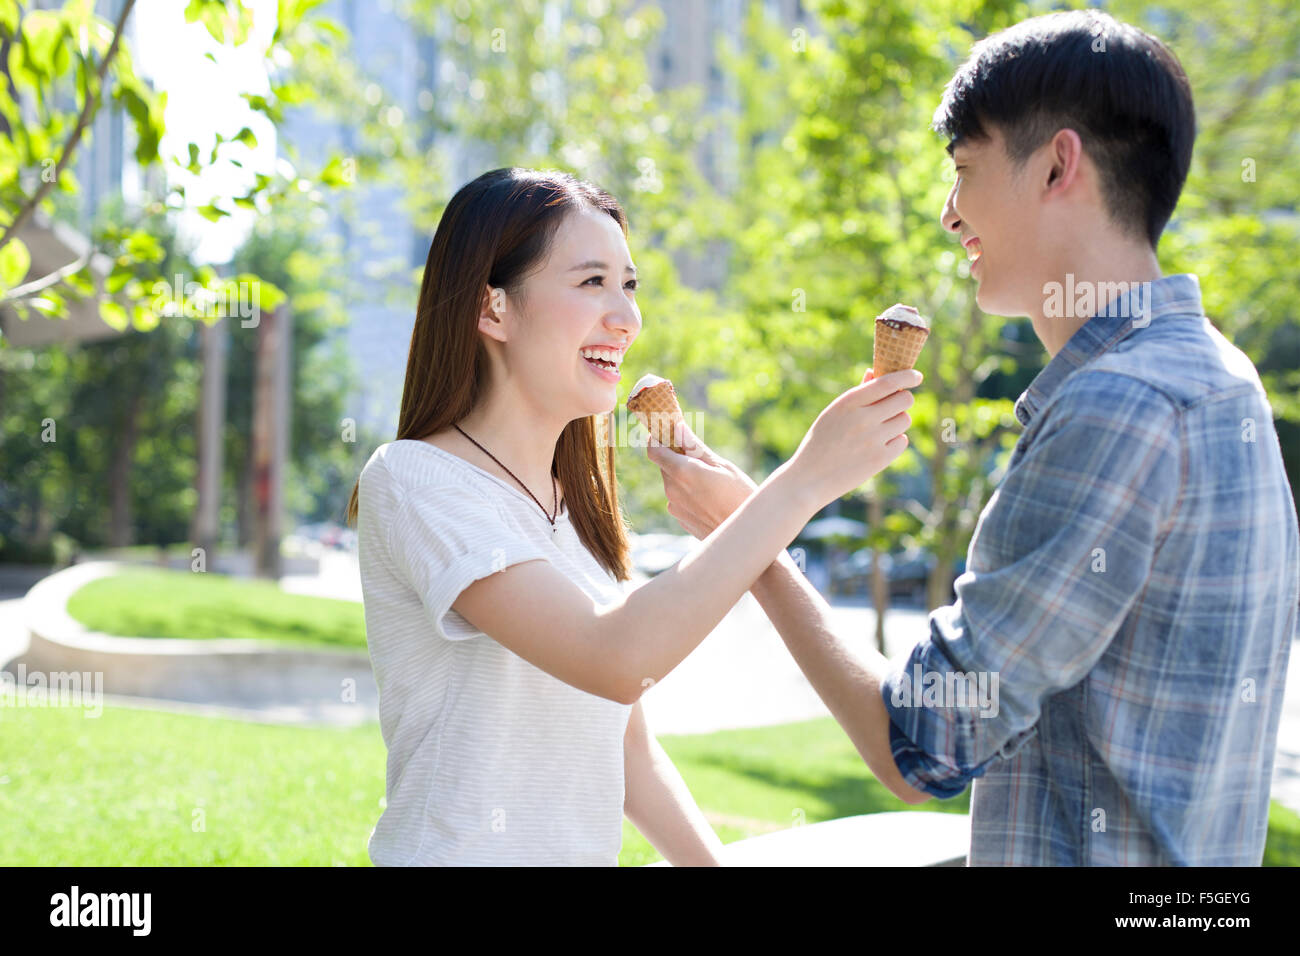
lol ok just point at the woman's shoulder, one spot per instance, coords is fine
(405, 467)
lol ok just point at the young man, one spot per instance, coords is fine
(1131, 589)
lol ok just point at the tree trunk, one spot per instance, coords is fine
(119, 477)
(206, 530)
(879, 582)
(243, 513)
(939, 585)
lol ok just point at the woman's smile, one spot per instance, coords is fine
(605, 361)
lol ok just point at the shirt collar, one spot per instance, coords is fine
(1125, 313)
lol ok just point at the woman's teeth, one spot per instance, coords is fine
(974, 250)
(610, 358)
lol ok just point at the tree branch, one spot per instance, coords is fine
(54, 278)
(88, 110)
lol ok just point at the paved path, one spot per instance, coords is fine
(1286, 769)
(743, 676)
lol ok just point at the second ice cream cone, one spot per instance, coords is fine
(900, 334)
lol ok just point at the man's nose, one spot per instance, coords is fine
(949, 218)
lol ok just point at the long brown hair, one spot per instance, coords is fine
(493, 232)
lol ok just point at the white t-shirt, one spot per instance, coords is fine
(490, 759)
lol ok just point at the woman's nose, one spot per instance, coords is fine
(626, 319)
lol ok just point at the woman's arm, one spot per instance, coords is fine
(658, 802)
(617, 651)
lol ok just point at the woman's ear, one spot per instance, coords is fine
(492, 311)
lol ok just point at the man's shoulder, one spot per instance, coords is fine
(1184, 358)
(1112, 395)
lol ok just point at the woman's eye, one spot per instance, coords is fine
(631, 284)
(596, 279)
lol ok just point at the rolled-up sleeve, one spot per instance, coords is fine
(443, 538)
(1059, 555)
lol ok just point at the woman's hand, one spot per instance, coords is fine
(856, 435)
(702, 487)
(854, 438)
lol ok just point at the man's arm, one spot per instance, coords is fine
(847, 678)
(703, 488)
(1036, 608)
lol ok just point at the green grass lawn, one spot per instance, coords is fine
(139, 787)
(149, 602)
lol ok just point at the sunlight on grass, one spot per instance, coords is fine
(185, 604)
(139, 787)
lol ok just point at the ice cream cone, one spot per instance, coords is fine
(654, 402)
(901, 332)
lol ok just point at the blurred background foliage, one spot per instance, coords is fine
(761, 271)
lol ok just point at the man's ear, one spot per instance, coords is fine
(491, 312)
(1065, 157)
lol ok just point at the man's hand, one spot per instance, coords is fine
(702, 488)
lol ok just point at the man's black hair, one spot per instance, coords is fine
(1119, 88)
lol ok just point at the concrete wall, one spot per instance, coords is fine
(233, 673)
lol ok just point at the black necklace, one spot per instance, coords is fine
(554, 491)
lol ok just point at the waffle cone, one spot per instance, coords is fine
(659, 412)
(896, 349)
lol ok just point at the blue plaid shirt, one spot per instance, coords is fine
(1111, 674)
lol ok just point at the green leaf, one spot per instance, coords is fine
(144, 318)
(113, 314)
(40, 37)
(50, 304)
(15, 260)
(266, 295)
(212, 14)
(117, 278)
(141, 245)
(339, 171)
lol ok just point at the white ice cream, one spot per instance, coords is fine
(647, 380)
(905, 313)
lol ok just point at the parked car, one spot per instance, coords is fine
(657, 552)
(328, 534)
(907, 571)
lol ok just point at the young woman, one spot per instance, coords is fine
(508, 656)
